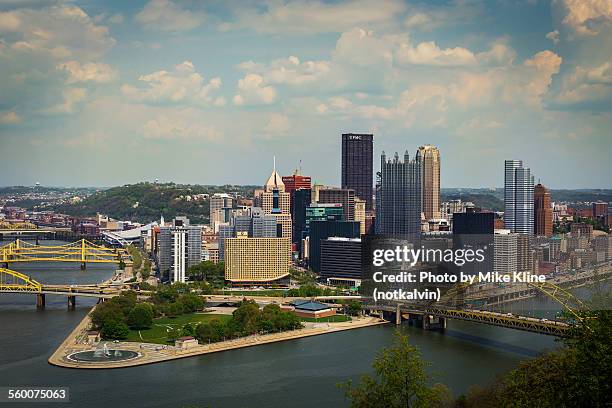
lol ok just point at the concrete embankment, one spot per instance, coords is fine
(155, 353)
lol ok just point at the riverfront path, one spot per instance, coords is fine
(156, 353)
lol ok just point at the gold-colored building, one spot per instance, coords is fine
(360, 214)
(429, 157)
(256, 260)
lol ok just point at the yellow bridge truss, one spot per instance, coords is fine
(562, 296)
(14, 281)
(80, 251)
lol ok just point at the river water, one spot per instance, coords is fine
(297, 373)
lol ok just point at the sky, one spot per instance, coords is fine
(104, 93)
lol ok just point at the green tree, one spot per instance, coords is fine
(141, 316)
(114, 329)
(174, 309)
(401, 380)
(246, 317)
(354, 308)
(106, 311)
(191, 302)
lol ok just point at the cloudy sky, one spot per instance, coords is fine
(103, 93)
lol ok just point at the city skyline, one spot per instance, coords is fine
(148, 85)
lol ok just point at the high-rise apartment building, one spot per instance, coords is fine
(543, 212)
(518, 198)
(357, 165)
(429, 158)
(344, 196)
(398, 196)
(180, 247)
(256, 260)
(277, 202)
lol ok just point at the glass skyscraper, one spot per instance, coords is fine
(398, 196)
(518, 197)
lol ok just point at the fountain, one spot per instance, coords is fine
(103, 354)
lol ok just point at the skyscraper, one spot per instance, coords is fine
(542, 211)
(357, 168)
(518, 198)
(429, 157)
(276, 201)
(180, 247)
(344, 196)
(398, 196)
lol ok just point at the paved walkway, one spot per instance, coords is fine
(156, 353)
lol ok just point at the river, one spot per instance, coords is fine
(298, 373)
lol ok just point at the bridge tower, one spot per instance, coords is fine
(83, 264)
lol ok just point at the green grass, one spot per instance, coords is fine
(329, 319)
(158, 332)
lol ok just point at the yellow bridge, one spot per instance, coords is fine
(81, 251)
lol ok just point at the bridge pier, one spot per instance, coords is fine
(71, 302)
(40, 301)
(83, 266)
(398, 315)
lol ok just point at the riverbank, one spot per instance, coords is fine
(150, 353)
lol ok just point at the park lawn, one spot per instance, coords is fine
(329, 319)
(158, 331)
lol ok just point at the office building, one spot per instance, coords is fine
(505, 252)
(344, 196)
(296, 182)
(301, 200)
(341, 261)
(429, 158)
(360, 214)
(398, 196)
(257, 261)
(542, 207)
(220, 209)
(448, 208)
(276, 201)
(473, 222)
(600, 209)
(518, 198)
(321, 230)
(180, 247)
(357, 165)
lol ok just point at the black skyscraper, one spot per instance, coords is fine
(357, 170)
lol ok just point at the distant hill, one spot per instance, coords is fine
(482, 200)
(146, 202)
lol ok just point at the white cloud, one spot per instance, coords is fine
(290, 70)
(9, 118)
(252, 90)
(278, 124)
(428, 53)
(116, 19)
(165, 15)
(71, 98)
(179, 128)
(91, 71)
(553, 36)
(58, 32)
(182, 84)
(316, 16)
(587, 84)
(587, 17)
